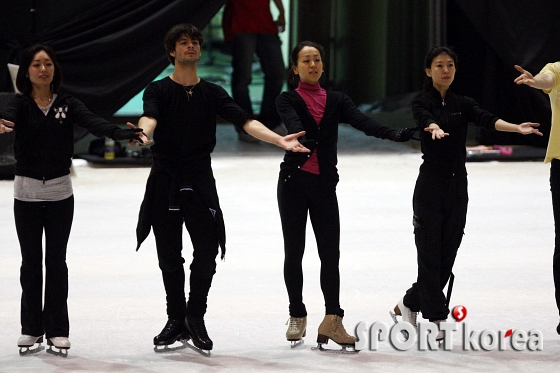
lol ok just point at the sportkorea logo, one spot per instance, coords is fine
(427, 336)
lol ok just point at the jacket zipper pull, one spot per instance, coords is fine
(443, 103)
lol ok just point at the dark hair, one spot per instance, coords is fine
(293, 79)
(23, 83)
(433, 53)
(175, 34)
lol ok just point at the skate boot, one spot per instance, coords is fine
(173, 331)
(332, 328)
(25, 342)
(406, 314)
(62, 344)
(296, 330)
(197, 332)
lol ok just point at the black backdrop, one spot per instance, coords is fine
(108, 50)
(490, 36)
(111, 49)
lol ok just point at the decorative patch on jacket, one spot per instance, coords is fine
(60, 113)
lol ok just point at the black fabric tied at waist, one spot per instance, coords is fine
(183, 186)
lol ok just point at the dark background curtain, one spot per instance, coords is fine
(490, 36)
(108, 50)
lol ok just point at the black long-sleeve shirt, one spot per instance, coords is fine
(186, 124)
(184, 138)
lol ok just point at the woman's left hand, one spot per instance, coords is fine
(290, 142)
(527, 128)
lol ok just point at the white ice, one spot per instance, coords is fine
(117, 301)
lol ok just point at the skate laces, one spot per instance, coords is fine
(199, 328)
(340, 326)
(295, 324)
(412, 316)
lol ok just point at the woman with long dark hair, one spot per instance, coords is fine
(440, 195)
(43, 120)
(307, 185)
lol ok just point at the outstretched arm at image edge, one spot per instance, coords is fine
(543, 81)
(526, 128)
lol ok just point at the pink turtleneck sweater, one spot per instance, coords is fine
(315, 98)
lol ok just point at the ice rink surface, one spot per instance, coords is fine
(117, 301)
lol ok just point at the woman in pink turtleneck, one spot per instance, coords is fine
(307, 184)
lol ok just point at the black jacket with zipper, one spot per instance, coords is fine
(447, 156)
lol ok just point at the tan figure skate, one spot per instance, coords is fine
(332, 328)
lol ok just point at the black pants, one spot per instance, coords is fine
(55, 220)
(555, 190)
(301, 194)
(440, 212)
(168, 231)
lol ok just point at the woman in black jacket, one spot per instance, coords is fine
(307, 184)
(440, 196)
(43, 121)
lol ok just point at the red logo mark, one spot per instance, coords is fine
(508, 333)
(459, 313)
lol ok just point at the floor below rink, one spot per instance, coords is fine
(117, 302)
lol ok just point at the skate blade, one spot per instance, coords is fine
(25, 351)
(62, 352)
(205, 353)
(162, 349)
(394, 317)
(344, 350)
(295, 344)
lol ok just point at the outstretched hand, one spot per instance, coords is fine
(527, 128)
(437, 133)
(6, 126)
(142, 138)
(290, 142)
(525, 78)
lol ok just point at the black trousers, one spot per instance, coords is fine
(440, 213)
(555, 190)
(303, 193)
(55, 220)
(168, 230)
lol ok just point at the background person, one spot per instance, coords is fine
(249, 26)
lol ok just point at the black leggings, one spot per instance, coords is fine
(555, 190)
(300, 194)
(440, 213)
(55, 220)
